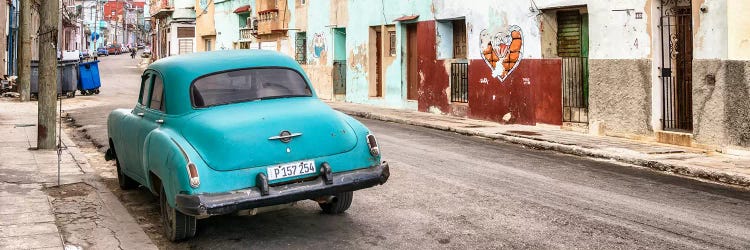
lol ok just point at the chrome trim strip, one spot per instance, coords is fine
(281, 137)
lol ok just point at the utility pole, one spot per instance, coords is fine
(24, 50)
(49, 16)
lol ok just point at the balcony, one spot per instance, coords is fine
(268, 21)
(247, 34)
(165, 8)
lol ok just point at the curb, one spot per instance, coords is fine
(735, 179)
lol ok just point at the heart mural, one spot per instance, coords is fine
(502, 51)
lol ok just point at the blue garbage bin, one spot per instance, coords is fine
(88, 80)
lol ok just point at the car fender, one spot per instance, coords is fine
(114, 123)
(166, 155)
(361, 131)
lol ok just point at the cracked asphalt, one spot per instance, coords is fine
(453, 191)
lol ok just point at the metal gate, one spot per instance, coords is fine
(339, 77)
(575, 89)
(460, 82)
(677, 65)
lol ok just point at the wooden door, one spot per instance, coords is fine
(412, 77)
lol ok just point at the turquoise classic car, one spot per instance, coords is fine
(232, 131)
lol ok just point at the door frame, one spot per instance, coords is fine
(675, 71)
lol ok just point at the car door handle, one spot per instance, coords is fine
(160, 121)
(140, 114)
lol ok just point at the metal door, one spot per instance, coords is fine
(339, 77)
(677, 65)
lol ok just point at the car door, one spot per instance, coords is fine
(152, 119)
(132, 125)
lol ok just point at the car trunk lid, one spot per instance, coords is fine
(239, 136)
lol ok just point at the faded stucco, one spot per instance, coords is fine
(721, 102)
(620, 93)
(710, 29)
(739, 29)
(614, 32)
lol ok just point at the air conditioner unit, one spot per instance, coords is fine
(252, 23)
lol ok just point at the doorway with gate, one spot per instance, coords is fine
(573, 49)
(676, 71)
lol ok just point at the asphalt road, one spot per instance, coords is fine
(453, 191)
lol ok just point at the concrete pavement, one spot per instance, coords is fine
(36, 212)
(690, 162)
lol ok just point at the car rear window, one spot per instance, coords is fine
(248, 85)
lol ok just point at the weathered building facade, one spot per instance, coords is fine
(224, 24)
(674, 70)
(172, 27)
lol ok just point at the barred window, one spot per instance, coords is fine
(392, 36)
(300, 53)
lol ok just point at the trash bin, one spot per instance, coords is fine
(88, 80)
(66, 78)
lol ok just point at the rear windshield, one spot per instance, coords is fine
(248, 85)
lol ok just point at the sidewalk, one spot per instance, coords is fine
(36, 213)
(691, 162)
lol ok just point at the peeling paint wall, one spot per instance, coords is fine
(710, 29)
(514, 70)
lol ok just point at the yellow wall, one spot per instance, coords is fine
(739, 29)
(204, 25)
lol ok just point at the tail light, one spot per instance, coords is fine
(373, 145)
(192, 170)
(195, 181)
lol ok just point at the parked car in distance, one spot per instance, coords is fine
(140, 46)
(113, 50)
(102, 51)
(231, 131)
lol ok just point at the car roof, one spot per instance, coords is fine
(197, 64)
(179, 72)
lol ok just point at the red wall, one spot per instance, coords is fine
(538, 101)
(117, 7)
(434, 78)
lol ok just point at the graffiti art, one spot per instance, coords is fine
(502, 51)
(319, 45)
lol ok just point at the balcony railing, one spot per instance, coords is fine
(246, 34)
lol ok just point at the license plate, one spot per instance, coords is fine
(290, 169)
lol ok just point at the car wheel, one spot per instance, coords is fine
(177, 226)
(96, 91)
(125, 181)
(340, 203)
